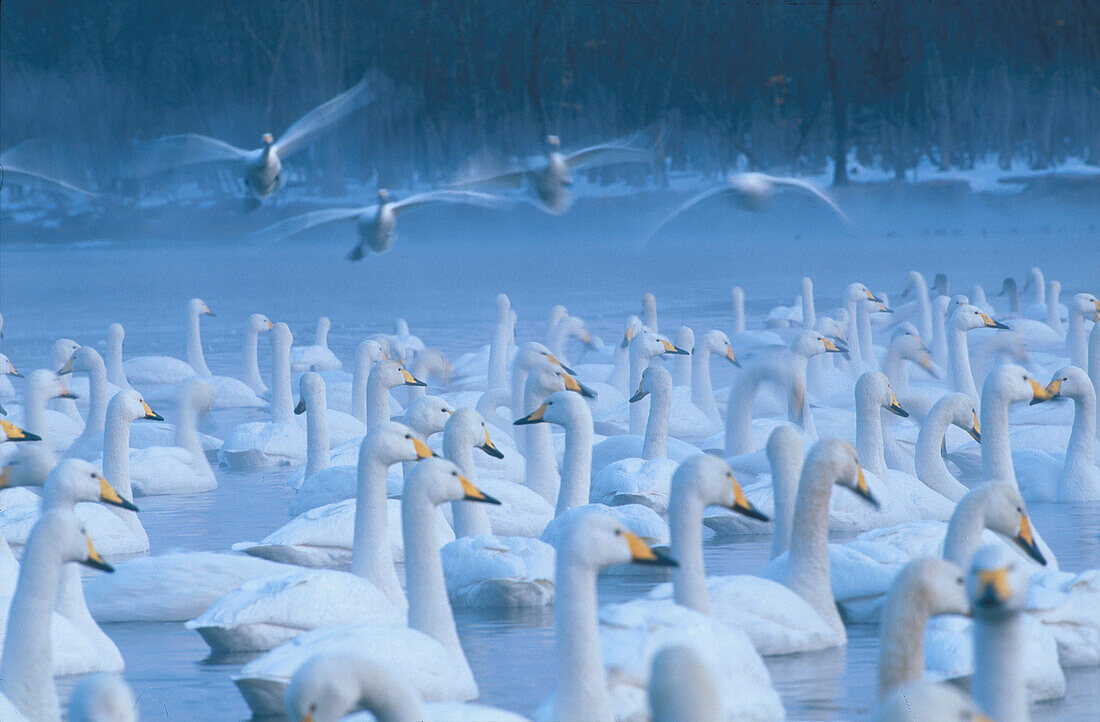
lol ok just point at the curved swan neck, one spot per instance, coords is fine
(377, 400)
(359, 380)
(962, 378)
(866, 348)
(250, 370)
(702, 392)
(685, 518)
(999, 684)
(580, 685)
(195, 357)
(930, 467)
(1081, 450)
(901, 645)
(370, 555)
(577, 466)
(655, 443)
(469, 519)
(639, 362)
(739, 410)
(115, 371)
(786, 465)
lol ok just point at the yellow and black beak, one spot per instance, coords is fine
(732, 359)
(12, 371)
(149, 413)
(300, 408)
(1040, 394)
(571, 384)
(642, 553)
(411, 380)
(741, 503)
(895, 407)
(871, 296)
(627, 337)
(1026, 540)
(14, 433)
(535, 417)
(990, 323)
(109, 495)
(94, 560)
(1054, 388)
(422, 450)
(207, 311)
(975, 429)
(638, 395)
(883, 308)
(993, 588)
(555, 360)
(675, 350)
(833, 346)
(67, 394)
(863, 491)
(67, 368)
(472, 493)
(489, 448)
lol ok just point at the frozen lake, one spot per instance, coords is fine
(444, 286)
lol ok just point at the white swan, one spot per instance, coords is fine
(552, 179)
(116, 334)
(427, 652)
(347, 392)
(1081, 306)
(181, 468)
(56, 430)
(483, 569)
(527, 356)
(330, 686)
(375, 223)
(317, 356)
(965, 318)
(953, 409)
(695, 414)
(89, 445)
(7, 391)
(26, 677)
(250, 367)
(261, 168)
(169, 370)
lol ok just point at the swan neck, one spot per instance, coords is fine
(999, 684)
(577, 466)
(809, 313)
(1077, 342)
(580, 686)
(195, 357)
(739, 411)
(685, 518)
(928, 462)
(250, 371)
(702, 391)
(1081, 451)
(996, 446)
(866, 350)
(901, 640)
(785, 472)
(429, 610)
(377, 401)
(869, 441)
(187, 429)
(639, 362)
(808, 560)
(655, 444)
(97, 398)
(371, 557)
(498, 355)
(469, 519)
(959, 359)
(317, 436)
(282, 403)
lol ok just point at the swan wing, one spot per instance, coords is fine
(810, 188)
(297, 224)
(705, 195)
(37, 160)
(448, 196)
(609, 154)
(22, 176)
(372, 84)
(512, 180)
(175, 151)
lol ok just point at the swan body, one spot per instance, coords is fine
(167, 369)
(318, 356)
(182, 468)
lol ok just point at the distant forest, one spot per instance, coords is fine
(787, 85)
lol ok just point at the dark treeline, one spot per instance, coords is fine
(785, 84)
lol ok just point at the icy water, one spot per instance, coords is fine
(444, 287)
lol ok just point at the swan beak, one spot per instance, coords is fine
(993, 587)
(675, 350)
(67, 368)
(1026, 541)
(14, 433)
(270, 325)
(638, 395)
(1054, 388)
(422, 450)
(975, 429)
(472, 493)
(109, 495)
(741, 503)
(489, 449)
(12, 371)
(1038, 393)
(555, 360)
(884, 308)
(895, 407)
(571, 384)
(731, 357)
(831, 346)
(627, 337)
(990, 323)
(925, 362)
(94, 560)
(3, 411)
(586, 338)
(871, 296)
(535, 417)
(67, 394)
(206, 310)
(301, 407)
(642, 553)
(149, 413)
(411, 380)
(864, 491)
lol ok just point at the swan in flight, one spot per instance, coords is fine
(375, 223)
(751, 192)
(552, 179)
(262, 167)
(23, 165)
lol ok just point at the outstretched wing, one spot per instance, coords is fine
(449, 196)
(309, 125)
(720, 190)
(175, 151)
(512, 180)
(609, 154)
(811, 188)
(297, 224)
(21, 176)
(36, 161)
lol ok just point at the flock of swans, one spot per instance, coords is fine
(511, 476)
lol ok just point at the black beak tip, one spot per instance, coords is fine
(663, 560)
(154, 416)
(998, 324)
(101, 566)
(300, 408)
(637, 397)
(567, 370)
(752, 513)
(492, 451)
(870, 499)
(484, 499)
(587, 392)
(127, 505)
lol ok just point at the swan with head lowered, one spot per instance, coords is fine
(427, 651)
(26, 676)
(143, 370)
(552, 179)
(262, 167)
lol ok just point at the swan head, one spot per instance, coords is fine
(937, 585)
(259, 323)
(960, 411)
(11, 432)
(996, 583)
(553, 142)
(648, 344)
(649, 303)
(655, 379)
(564, 408)
(391, 374)
(546, 379)
(329, 686)
(383, 195)
(967, 317)
(311, 392)
(591, 539)
(43, 384)
(267, 139)
(504, 307)
(197, 393)
(857, 292)
(369, 352)
(1084, 304)
(910, 346)
(281, 337)
(103, 696)
(811, 343)
(533, 353)
(62, 351)
(64, 528)
(6, 367)
(428, 415)
(835, 461)
(1014, 384)
(116, 334)
(76, 480)
(391, 442)
(939, 285)
(634, 326)
(685, 338)
(914, 281)
(84, 358)
(198, 307)
(875, 386)
(1005, 512)
(1069, 382)
(431, 363)
(441, 481)
(467, 427)
(1054, 288)
(718, 343)
(131, 406)
(712, 480)
(1008, 286)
